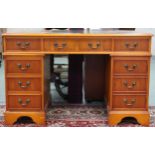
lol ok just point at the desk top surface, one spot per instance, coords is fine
(71, 33)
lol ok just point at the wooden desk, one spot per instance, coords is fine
(127, 71)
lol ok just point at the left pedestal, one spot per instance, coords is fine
(27, 88)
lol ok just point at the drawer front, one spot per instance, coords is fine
(131, 44)
(24, 84)
(23, 66)
(95, 45)
(130, 84)
(130, 67)
(22, 44)
(129, 101)
(24, 102)
(59, 45)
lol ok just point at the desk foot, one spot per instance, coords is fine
(37, 117)
(142, 117)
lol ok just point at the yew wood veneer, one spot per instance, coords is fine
(126, 65)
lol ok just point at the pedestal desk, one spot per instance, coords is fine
(127, 71)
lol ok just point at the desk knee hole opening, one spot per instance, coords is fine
(128, 120)
(24, 120)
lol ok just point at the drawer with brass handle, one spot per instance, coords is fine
(131, 67)
(95, 45)
(23, 66)
(130, 84)
(22, 44)
(129, 101)
(59, 44)
(24, 102)
(131, 44)
(24, 84)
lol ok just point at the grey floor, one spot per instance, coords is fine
(151, 95)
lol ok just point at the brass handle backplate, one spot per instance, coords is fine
(94, 46)
(20, 101)
(131, 46)
(60, 46)
(129, 103)
(24, 86)
(130, 86)
(23, 68)
(23, 45)
(130, 68)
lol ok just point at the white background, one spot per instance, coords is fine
(77, 13)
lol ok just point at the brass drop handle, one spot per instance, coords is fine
(131, 46)
(20, 101)
(22, 86)
(60, 46)
(23, 45)
(23, 68)
(130, 68)
(129, 103)
(92, 46)
(133, 84)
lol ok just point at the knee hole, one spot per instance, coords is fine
(24, 120)
(128, 120)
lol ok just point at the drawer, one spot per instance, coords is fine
(59, 45)
(95, 45)
(131, 44)
(23, 66)
(130, 84)
(129, 101)
(130, 66)
(24, 102)
(22, 44)
(24, 84)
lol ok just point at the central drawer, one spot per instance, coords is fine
(24, 102)
(24, 84)
(59, 44)
(130, 84)
(95, 45)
